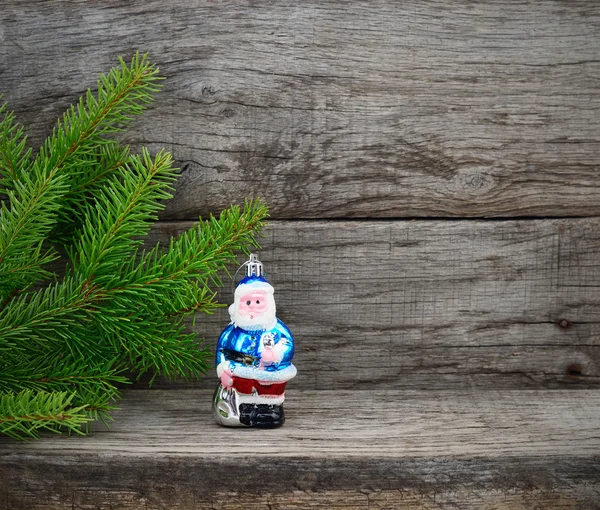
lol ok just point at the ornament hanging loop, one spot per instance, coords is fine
(254, 267)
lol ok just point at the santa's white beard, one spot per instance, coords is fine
(263, 321)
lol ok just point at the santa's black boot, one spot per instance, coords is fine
(266, 416)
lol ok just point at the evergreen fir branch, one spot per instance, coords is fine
(98, 404)
(159, 345)
(57, 372)
(55, 313)
(34, 203)
(156, 293)
(16, 276)
(63, 348)
(25, 413)
(197, 256)
(35, 197)
(100, 167)
(173, 285)
(58, 316)
(14, 155)
(121, 94)
(123, 210)
(207, 248)
(80, 145)
(91, 387)
(104, 164)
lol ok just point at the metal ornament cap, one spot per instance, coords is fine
(254, 267)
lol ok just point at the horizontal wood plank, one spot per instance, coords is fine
(337, 109)
(347, 449)
(432, 304)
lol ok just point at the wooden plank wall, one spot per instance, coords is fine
(431, 167)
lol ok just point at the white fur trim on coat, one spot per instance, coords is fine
(283, 375)
(221, 367)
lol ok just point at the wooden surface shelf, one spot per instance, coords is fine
(349, 449)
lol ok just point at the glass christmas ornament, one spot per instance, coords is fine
(254, 356)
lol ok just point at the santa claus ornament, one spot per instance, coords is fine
(254, 357)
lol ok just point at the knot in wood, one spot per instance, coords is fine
(564, 323)
(574, 371)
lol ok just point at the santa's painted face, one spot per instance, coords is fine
(253, 308)
(253, 304)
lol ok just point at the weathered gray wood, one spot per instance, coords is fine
(433, 304)
(337, 109)
(348, 449)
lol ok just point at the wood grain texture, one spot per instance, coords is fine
(349, 449)
(339, 109)
(432, 304)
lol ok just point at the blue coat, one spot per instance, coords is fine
(250, 343)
